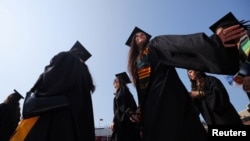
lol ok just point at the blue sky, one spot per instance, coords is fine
(32, 32)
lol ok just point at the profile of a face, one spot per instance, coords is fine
(191, 74)
(116, 83)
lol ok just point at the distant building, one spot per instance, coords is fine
(103, 134)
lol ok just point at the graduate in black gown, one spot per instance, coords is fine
(124, 106)
(212, 99)
(67, 74)
(242, 43)
(168, 112)
(10, 115)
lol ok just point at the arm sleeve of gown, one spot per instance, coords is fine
(121, 107)
(216, 94)
(115, 111)
(59, 75)
(124, 102)
(39, 81)
(196, 51)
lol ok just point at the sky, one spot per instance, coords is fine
(32, 32)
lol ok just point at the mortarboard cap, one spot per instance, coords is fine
(79, 50)
(124, 77)
(136, 30)
(17, 94)
(228, 20)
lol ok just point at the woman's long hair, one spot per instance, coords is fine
(88, 79)
(199, 83)
(132, 58)
(79, 52)
(122, 85)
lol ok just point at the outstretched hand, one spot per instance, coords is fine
(231, 33)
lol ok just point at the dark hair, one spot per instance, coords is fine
(201, 79)
(123, 85)
(132, 58)
(121, 81)
(13, 103)
(88, 79)
(12, 99)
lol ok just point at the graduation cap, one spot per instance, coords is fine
(228, 20)
(17, 95)
(136, 30)
(124, 77)
(79, 50)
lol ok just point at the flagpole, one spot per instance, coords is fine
(100, 120)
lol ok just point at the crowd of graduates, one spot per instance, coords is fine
(165, 108)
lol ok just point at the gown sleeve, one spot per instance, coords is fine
(196, 51)
(217, 96)
(125, 103)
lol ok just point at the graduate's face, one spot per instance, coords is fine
(191, 74)
(140, 39)
(116, 83)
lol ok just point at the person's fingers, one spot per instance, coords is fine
(231, 33)
(234, 28)
(234, 35)
(230, 45)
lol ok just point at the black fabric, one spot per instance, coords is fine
(227, 20)
(125, 130)
(65, 75)
(208, 55)
(35, 106)
(168, 112)
(215, 106)
(124, 77)
(248, 95)
(80, 51)
(8, 123)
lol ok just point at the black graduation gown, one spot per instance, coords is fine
(125, 130)
(215, 106)
(168, 111)
(8, 123)
(65, 75)
(198, 52)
